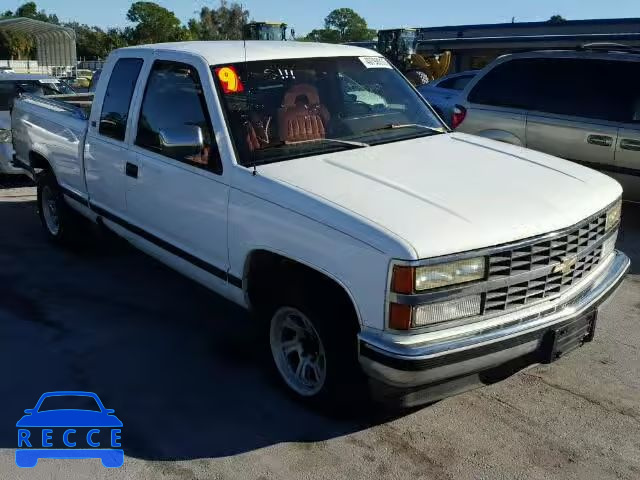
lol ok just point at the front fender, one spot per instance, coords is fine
(360, 269)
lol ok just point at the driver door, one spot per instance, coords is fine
(178, 199)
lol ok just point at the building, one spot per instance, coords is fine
(474, 46)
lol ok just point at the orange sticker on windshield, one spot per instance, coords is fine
(229, 79)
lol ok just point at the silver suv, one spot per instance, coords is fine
(583, 106)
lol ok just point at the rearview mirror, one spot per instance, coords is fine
(183, 141)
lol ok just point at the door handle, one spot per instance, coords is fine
(628, 144)
(131, 170)
(600, 140)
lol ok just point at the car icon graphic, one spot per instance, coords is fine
(60, 421)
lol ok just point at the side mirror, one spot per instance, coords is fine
(109, 411)
(29, 411)
(184, 141)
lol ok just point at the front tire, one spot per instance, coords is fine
(314, 350)
(298, 351)
(59, 222)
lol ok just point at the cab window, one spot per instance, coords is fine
(117, 99)
(174, 119)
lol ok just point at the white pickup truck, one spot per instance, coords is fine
(314, 186)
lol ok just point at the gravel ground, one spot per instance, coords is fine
(180, 368)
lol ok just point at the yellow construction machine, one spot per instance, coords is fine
(399, 46)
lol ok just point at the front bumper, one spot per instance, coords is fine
(454, 360)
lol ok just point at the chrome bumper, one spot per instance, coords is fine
(410, 361)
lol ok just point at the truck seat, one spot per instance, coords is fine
(302, 116)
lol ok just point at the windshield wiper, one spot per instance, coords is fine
(334, 140)
(397, 126)
(347, 143)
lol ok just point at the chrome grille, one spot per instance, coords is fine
(521, 294)
(538, 255)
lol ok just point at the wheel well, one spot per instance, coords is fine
(267, 274)
(38, 161)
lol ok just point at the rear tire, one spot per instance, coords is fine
(314, 350)
(60, 224)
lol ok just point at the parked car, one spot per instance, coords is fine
(444, 94)
(94, 80)
(12, 85)
(583, 106)
(77, 83)
(83, 79)
(383, 253)
(84, 73)
(6, 70)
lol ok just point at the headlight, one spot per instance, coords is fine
(408, 280)
(462, 271)
(405, 317)
(433, 313)
(614, 215)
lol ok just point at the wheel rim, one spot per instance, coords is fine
(50, 211)
(298, 351)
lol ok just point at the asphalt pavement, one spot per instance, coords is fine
(181, 369)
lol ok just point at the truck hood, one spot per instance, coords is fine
(452, 193)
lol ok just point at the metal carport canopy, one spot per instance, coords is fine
(56, 45)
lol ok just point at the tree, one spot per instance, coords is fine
(30, 10)
(116, 38)
(94, 43)
(342, 25)
(223, 23)
(154, 24)
(16, 45)
(323, 35)
(557, 19)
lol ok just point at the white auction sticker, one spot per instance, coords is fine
(375, 62)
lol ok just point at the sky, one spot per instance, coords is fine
(304, 15)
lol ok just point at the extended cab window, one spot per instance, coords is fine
(174, 119)
(117, 99)
(284, 109)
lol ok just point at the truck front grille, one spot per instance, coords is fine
(577, 244)
(547, 252)
(521, 294)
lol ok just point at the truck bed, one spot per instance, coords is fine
(77, 104)
(52, 128)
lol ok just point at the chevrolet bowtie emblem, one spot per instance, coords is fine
(566, 265)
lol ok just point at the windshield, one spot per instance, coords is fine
(283, 109)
